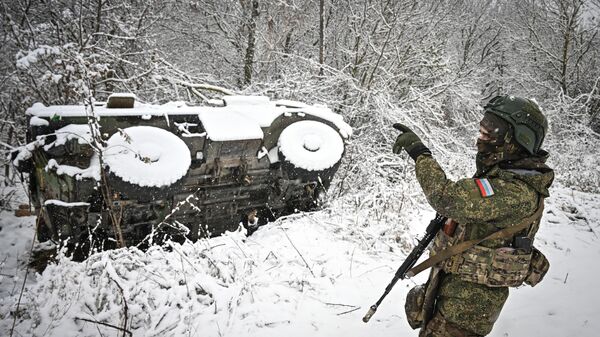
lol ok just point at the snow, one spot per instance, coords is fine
(175, 104)
(215, 102)
(25, 152)
(229, 126)
(311, 145)
(565, 303)
(291, 104)
(139, 109)
(325, 113)
(258, 108)
(56, 78)
(185, 132)
(25, 60)
(147, 156)
(65, 204)
(36, 121)
(247, 114)
(92, 171)
(273, 155)
(262, 152)
(309, 274)
(38, 106)
(235, 100)
(122, 94)
(81, 132)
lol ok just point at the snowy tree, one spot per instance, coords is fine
(560, 38)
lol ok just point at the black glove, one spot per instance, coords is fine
(410, 142)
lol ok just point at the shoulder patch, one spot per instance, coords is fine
(485, 188)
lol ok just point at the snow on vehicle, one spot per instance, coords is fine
(186, 171)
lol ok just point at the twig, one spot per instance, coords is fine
(276, 323)
(302, 257)
(373, 269)
(240, 248)
(349, 311)
(218, 327)
(270, 254)
(184, 258)
(275, 266)
(125, 308)
(340, 305)
(125, 331)
(584, 218)
(12, 329)
(590, 227)
(8, 146)
(352, 260)
(566, 277)
(184, 276)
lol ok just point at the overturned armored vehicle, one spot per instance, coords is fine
(126, 173)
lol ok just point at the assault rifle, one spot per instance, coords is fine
(404, 271)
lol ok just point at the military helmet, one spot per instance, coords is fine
(528, 123)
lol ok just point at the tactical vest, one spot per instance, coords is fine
(507, 266)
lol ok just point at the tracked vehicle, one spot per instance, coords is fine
(174, 170)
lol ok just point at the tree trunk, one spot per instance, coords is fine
(564, 62)
(250, 49)
(321, 35)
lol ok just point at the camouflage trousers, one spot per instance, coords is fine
(464, 308)
(439, 327)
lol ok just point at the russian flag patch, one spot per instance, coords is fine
(484, 187)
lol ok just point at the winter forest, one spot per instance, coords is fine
(428, 64)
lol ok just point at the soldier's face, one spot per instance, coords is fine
(485, 134)
(492, 129)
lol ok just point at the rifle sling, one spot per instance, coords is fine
(463, 246)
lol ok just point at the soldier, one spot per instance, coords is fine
(466, 291)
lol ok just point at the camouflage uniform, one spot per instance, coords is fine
(464, 308)
(468, 287)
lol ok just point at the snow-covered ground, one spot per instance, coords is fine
(310, 274)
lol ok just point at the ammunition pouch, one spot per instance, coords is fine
(538, 268)
(420, 300)
(414, 306)
(515, 262)
(500, 267)
(493, 267)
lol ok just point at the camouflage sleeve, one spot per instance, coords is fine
(465, 202)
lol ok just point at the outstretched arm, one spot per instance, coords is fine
(473, 200)
(467, 200)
